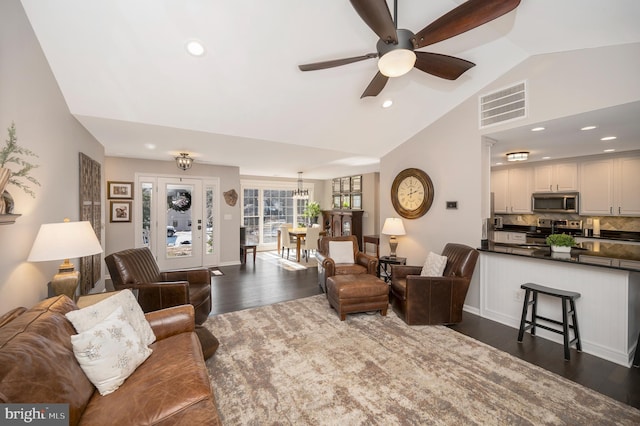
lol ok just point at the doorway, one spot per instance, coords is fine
(178, 220)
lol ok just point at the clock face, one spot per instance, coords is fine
(412, 193)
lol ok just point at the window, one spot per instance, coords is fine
(268, 205)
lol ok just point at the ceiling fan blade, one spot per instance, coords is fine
(336, 62)
(465, 17)
(376, 15)
(443, 66)
(376, 85)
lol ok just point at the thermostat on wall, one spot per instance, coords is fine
(452, 204)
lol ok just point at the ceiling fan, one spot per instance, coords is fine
(397, 47)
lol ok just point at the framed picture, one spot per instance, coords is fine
(356, 201)
(120, 190)
(356, 183)
(120, 211)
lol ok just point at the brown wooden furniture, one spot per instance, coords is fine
(371, 239)
(344, 222)
(244, 248)
(434, 300)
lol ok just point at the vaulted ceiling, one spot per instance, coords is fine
(124, 71)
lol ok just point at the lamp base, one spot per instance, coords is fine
(393, 245)
(66, 283)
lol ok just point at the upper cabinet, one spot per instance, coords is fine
(512, 190)
(610, 187)
(559, 177)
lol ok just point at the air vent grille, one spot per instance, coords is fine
(503, 105)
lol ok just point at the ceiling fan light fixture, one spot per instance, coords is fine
(517, 156)
(397, 62)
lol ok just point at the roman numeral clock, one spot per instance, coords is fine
(412, 193)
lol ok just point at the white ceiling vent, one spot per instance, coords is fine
(503, 105)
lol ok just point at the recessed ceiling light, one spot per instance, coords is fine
(546, 158)
(537, 129)
(608, 138)
(387, 103)
(195, 48)
(589, 127)
(609, 150)
(150, 145)
(499, 164)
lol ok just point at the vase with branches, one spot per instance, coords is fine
(12, 153)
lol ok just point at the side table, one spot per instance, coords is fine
(384, 266)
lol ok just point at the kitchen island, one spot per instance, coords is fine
(607, 275)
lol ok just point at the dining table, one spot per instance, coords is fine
(299, 233)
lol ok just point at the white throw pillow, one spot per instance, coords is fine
(434, 265)
(109, 352)
(341, 251)
(86, 318)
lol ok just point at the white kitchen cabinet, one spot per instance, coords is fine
(512, 190)
(555, 177)
(610, 187)
(510, 237)
(627, 186)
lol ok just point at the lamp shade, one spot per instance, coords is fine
(66, 240)
(393, 226)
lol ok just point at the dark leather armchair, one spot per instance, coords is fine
(137, 269)
(434, 300)
(364, 263)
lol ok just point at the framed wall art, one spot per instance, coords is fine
(120, 211)
(120, 190)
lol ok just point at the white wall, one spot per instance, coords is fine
(450, 151)
(30, 97)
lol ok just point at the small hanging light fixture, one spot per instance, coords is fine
(184, 162)
(300, 193)
(517, 156)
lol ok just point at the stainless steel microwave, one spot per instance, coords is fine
(566, 202)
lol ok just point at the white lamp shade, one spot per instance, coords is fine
(397, 62)
(393, 226)
(67, 240)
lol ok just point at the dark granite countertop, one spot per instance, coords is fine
(631, 236)
(593, 253)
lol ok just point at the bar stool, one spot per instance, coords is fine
(567, 310)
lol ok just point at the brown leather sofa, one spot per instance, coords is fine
(434, 300)
(171, 387)
(364, 263)
(137, 269)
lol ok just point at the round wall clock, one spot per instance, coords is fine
(412, 193)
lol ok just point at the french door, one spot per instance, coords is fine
(179, 221)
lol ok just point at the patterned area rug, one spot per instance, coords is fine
(297, 363)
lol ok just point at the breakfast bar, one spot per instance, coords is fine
(607, 275)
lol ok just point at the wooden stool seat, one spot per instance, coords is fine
(567, 310)
(246, 247)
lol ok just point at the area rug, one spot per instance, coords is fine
(215, 272)
(297, 363)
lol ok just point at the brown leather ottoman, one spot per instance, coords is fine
(357, 293)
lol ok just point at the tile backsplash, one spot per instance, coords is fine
(609, 223)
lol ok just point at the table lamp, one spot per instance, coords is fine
(66, 240)
(393, 226)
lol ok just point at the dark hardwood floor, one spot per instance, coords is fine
(263, 283)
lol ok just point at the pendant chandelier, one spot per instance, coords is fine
(300, 193)
(184, 162)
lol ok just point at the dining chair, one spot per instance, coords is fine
(286, 241)
(310, 241)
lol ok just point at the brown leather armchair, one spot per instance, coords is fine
(434, 300)
(137, 269)
(364, 263)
